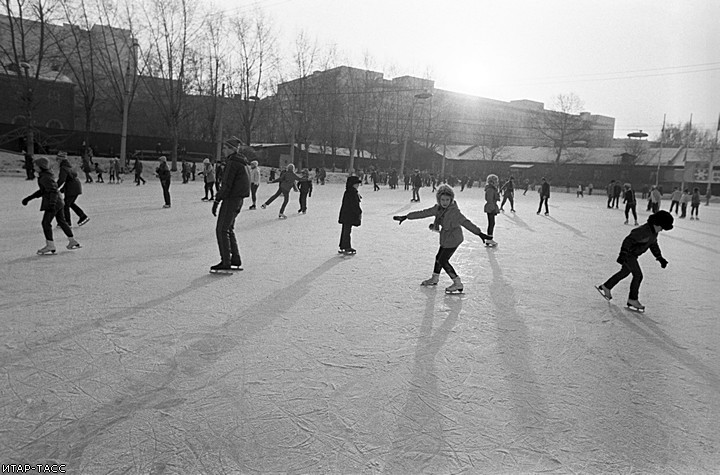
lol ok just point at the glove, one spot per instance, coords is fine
(663, 262)
(400, 218)
(432, 227)
(25, 201)
(215, 207)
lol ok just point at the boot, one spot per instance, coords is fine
(432, 280)
(634, 303)
(48, 249)
(457, 285)
(604, 291)
(73, 244)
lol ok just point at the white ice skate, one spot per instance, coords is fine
(431, 281)
(282, 216)
(73, 244)
(456, 287)
(48, 249)
(635, 306)
(604, 291)
(490, 243)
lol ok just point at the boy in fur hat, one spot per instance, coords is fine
(449, 222)
(633, 246)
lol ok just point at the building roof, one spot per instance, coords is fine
(580, 155)
(318, 150)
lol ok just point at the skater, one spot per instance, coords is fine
(633, 246)
(675, 200)
(52, 206)
(163, 173)
(193, 170)
(526, 185)
(305, 186)
(416, 185)
(254, 182)
(70, 186)
(617, 191)
(492, 196)
(610, 191)
(655, 199)
(185, 171)
(508, 190)
(99, 172)
(118, 170)
(208, 173)
(350, 214)
(684, 200)
(449, 222)
(375, 180)
(630, 203)
(590, 188)
(235, 188)
(111, 171)
(545, 196)
(138, 168)
(87, 170)
(580, 191)
(406, 181)
(323, 175)
(286, 182)
(695, 204)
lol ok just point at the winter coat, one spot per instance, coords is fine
(629, 198)
(491, 198)
(617, 190)
(638, 241)
(68, 179)
(137, 167)
(545, 190)
(686, 198)
(350, 212)
(208, 173)
(48, 191)
(235, 179)
(305, 186)
(417, 181)
(163, 172)
(695, 198)
(255, 176)
(508, 189)
(655, 196)
(286, 180)
(676, 195)
(451, 222)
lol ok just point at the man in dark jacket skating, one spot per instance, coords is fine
(234, 189)
(633, 246)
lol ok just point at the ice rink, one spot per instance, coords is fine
(128, 357)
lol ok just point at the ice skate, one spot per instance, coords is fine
(48, 249)
(263, 206)
(456, 287)
(491, 243)
(83, 221)
(626, 222)
(221, 269)
(635, 305)
(692, 217)
(252, 207)
(512, 210)
(73, 244)
(349, 251)
(604, 291)
(636, 223)
(236, 264)
(431, 281)
(204, 199)
(282, 216)
(341, 251)
(166, 206)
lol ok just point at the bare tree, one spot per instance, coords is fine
(562, 127)
(173, 28)
(25, 55)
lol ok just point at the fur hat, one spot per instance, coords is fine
(661, 218)
(163, 158)
(492, 179)
(444, 190)
(206, 161)
(42, 163)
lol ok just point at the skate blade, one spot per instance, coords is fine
(452, 292)
(597, 287)
(428, 285)
(49, 253)
(236, 268)
(225, 272)
(635, 309)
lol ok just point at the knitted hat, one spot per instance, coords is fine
(61, 155)
(42, 163)
(444, 190)
(661, 218)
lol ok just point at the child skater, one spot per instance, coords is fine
(286, 182)
(52, 206)
(492, 196)
(449, 222)
(630, 203)
(305, 187)
(99, 172)
(69, 184)
(635, 244)
(695, 203)
(350, 214)
(208, 173)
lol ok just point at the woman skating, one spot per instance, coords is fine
(69, 184)
(52, 206)
(163, 173)
(492, 196)
(286, 182)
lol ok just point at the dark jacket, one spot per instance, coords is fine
(508, 188)
(629, 197)
(287, 180)
(235, 180)
(417, 181)
(137, 167)
(350, 212)
(491, 198)
(163, 172)
(68, 179)
(305, 186)
(638, 241)
(545, 190)
(48, 191)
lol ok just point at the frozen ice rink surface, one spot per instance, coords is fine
(128, 357)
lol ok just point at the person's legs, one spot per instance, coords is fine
(60, 218)
(617, 277)
(637, 277)
(286, 198)
(253, 189)
(683, 209)
(627, 212)
(634, 212)
(442, 261)
(70, 202)
(345, 236)
(166, 192)
(223, 230)
(512, 202)
(273, 197)
(47, 224)
(491, 224)
(545, 199)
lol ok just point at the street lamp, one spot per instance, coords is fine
(421, 96)
(295, 113)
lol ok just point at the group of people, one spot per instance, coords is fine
(679, 200)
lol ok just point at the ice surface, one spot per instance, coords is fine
(127, 356)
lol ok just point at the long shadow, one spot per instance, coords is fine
(419, 436)
(575, 231)
(157, 389)
(662, 341)
(692, 243)
(514, 218)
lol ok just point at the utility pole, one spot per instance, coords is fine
(132, 62)
(219, 134)
(708, 192)
(687, 145)
(662, 137)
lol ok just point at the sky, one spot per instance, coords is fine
(634, 60)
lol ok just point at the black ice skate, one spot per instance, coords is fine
(221, 269)
(349, 251)
(236, 264)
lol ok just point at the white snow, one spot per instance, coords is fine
(127, 356)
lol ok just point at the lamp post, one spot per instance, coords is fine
(219, 133)
(420, 96)
(295, 113)
(126, 100)
(29, 135)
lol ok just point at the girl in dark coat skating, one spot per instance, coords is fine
(71, 187)
(350, 213)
